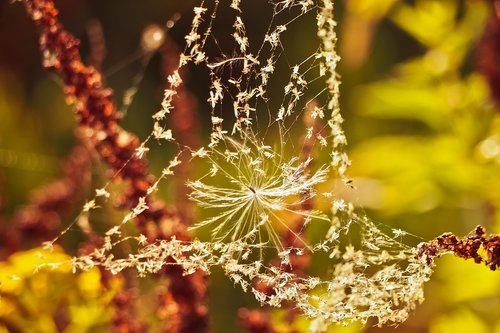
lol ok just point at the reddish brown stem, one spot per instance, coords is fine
(125, 317)
(467, 247)
(98, 120)
(488, 53)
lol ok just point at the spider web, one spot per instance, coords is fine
(273, 165)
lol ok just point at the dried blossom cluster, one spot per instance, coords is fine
(468, 247)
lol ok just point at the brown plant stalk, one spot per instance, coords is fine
(99, 121)
(488, 53)
(477, 246)
(125, 318)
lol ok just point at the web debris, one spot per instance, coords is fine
(255, 182)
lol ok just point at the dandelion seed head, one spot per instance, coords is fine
(258, 189)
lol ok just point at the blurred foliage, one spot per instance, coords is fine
(425, 144)
(39, 289)
(443, 153)
(432, 162)
(34, 159)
